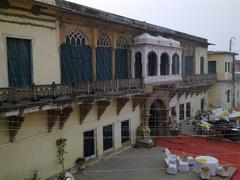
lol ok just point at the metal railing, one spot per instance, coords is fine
(53, 91)
(200, 79)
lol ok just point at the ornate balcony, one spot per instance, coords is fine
(162, 79)
(17, 98)
(199, 80)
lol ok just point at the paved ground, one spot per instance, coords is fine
(134, 164)
(187, 128)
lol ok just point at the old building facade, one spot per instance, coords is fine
(225, 92)
(97, 79)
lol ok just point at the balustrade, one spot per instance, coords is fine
(38, 92)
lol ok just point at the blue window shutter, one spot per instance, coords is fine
(19, 62)
(76, 63)
(104, 63)
(121, 58)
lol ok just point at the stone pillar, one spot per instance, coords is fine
(144, 64)
(113, 46)
(93, 46)
(113, 64)
(180, 64)
(143, 132)
(160, 53)
(170, 63)
(94, 64)
(158, 63)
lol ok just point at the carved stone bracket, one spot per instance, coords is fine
(172, 93)
(15, 123)
(53, 116)
(102, 106)
(64, 116)
(135, 102)
(180, 93)
(121, 102)
(187, 93)
(84, 109)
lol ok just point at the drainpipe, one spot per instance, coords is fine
(233, 78)
(233, 69)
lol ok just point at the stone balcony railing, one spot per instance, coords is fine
(199, 80)
(162, 79)
(54, 91)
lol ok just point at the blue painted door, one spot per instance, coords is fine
(189, 65)
(104, 63)
(76, 63)
(19, 62)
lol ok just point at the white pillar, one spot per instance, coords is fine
(180, 63)
(158, 63)
(170, 63)
(159, 59)
(144, 63)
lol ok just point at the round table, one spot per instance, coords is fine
(209, 161)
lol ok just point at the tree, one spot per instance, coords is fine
(61, 145)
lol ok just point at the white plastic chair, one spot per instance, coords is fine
(190, 160)
(171, 167)
(222, 171)
(171, 162)
(183, 165)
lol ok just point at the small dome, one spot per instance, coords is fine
(145, 38)
(175, 43)
(164, 41)
(159, 40)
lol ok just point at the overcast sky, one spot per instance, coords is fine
(216, 20)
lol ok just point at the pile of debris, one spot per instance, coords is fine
(218, 123)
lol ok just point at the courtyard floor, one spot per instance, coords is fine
(134, 164)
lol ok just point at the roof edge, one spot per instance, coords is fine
(103, 15)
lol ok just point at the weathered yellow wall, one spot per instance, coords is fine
(217, 93)
(35, 149)
(45, 40)
(220, 63)
(218, 97)
(237, 93)
(201, 52)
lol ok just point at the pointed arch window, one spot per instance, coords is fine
(103, 41)
(121, 54)
(76, 59)
(76, 38)
(121, 44)
(103, 58)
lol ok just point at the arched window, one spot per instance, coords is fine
(164, 64)
(175, 64)
(152, 64)
(121, 59)
(121, 44)
(138, 65)
(76, 59)
(76, 38)
(103, 58)
(103, 41)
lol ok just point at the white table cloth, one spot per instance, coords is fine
(209, 161)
